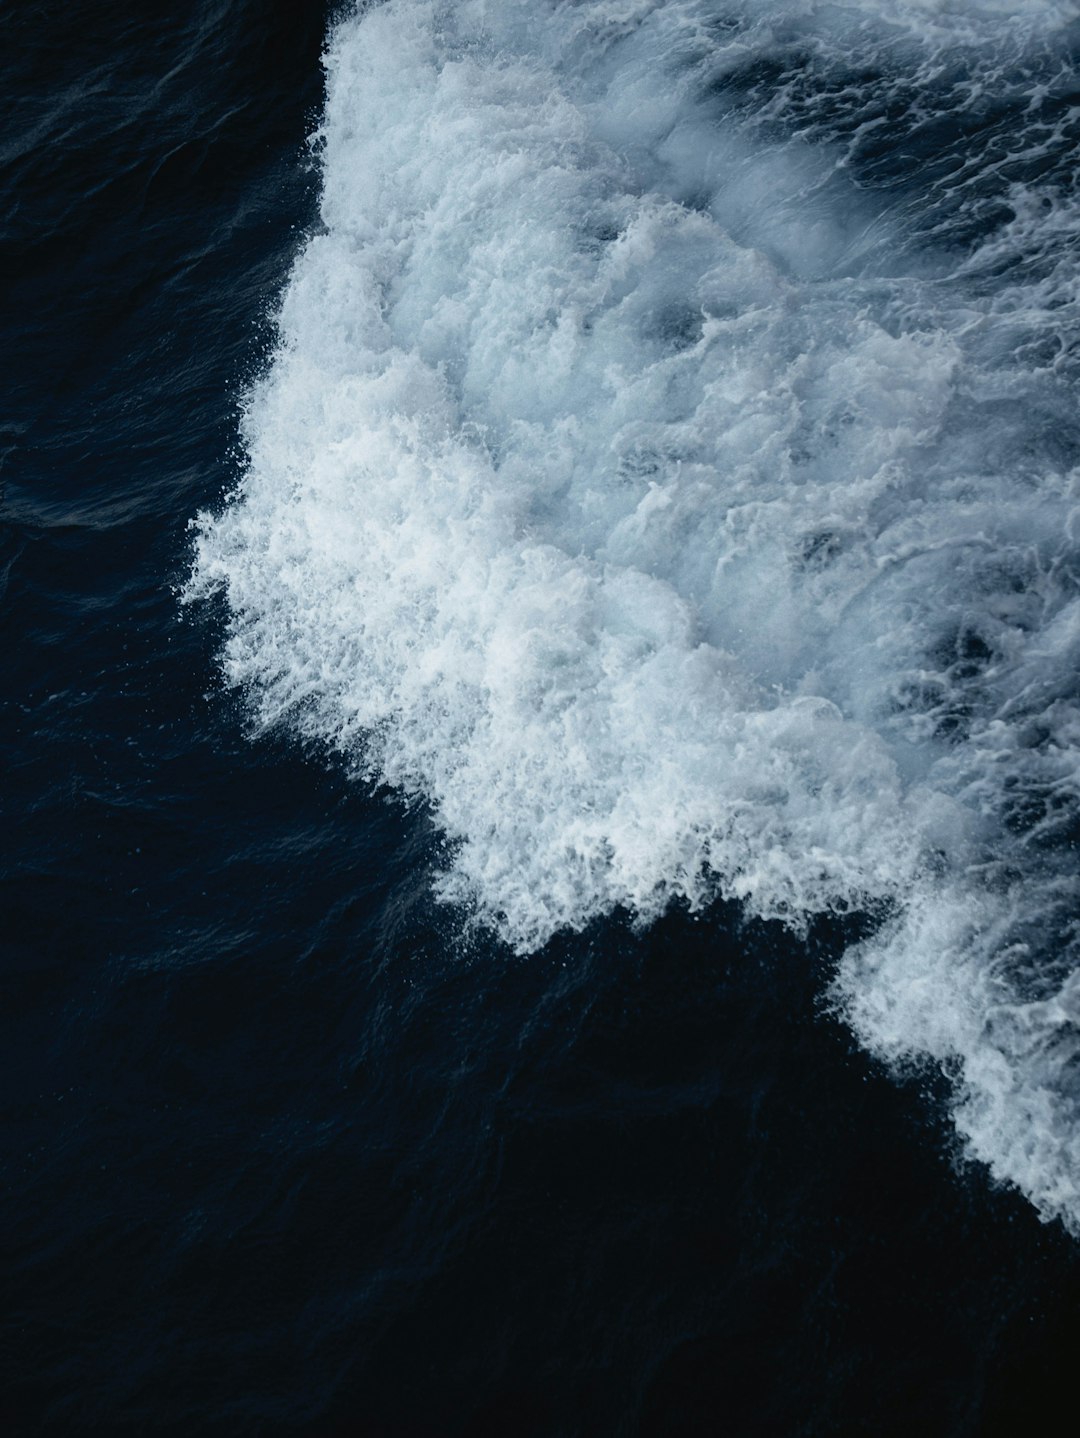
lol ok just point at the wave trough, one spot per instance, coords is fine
(668, 470)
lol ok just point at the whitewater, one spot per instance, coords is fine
(667, 471)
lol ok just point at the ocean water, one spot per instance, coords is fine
(539, 566)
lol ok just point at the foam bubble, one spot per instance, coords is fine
(683, 504)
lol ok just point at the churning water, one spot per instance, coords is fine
(668, 472)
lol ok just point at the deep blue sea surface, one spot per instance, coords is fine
(540, 718)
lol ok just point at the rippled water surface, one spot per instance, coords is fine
(540, 715)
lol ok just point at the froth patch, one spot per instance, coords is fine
(669, 548)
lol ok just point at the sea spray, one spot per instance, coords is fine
(668, 470)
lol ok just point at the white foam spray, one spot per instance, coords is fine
(668, 470)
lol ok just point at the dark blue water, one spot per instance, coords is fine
(283, 1148)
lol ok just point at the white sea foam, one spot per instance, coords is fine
(679, 494)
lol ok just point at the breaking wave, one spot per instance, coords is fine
(669, 470)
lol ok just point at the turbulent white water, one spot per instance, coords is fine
(668, 469)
